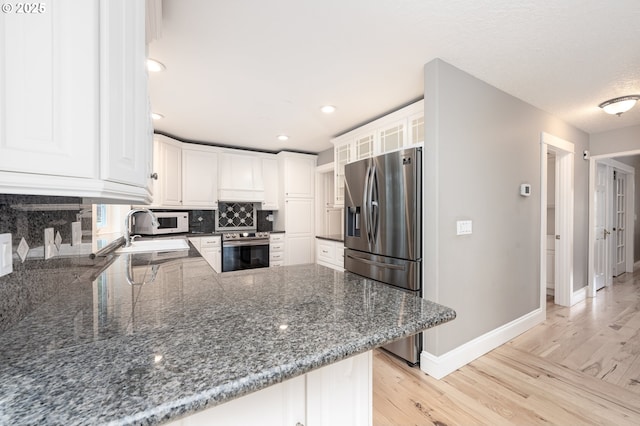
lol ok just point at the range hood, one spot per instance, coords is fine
(240, 178)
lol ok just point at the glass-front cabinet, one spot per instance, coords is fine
(342, 156)
(397, 130)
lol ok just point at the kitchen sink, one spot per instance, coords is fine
(160, 244)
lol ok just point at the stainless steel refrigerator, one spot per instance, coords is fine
(383, 227)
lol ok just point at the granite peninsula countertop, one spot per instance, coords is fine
(104, 351)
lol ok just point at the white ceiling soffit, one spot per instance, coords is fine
(242, 72)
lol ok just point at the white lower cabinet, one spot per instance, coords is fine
(336, 395)
(210, 249)
(330, 253)
(276, 250)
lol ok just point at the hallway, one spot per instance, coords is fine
(580, 366)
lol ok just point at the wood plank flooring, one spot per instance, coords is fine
(580, 367)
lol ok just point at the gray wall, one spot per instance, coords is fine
(480, 145)
(615, 141)
(325, 157)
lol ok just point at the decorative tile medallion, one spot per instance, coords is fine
(235, 215)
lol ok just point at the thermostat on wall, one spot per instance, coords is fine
(525, 189)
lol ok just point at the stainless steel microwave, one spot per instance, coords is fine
(168, 223)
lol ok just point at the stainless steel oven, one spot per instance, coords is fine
(245, 250)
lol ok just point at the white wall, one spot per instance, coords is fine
(481, 144)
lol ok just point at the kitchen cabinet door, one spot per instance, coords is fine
(392, 136)
(49, 90)
(330, 254)
(170, 174)
(73, 97)
(298, 172)
(126, 142)
(341, 393)
(416, 129)
(338, 394)
(270, 181)
(278, 405)
(342, 156)
(199, 177)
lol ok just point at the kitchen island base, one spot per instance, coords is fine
(338, 394)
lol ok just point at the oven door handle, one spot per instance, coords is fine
(245, 243)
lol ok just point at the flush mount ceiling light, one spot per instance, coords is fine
(619, 105)
(328, 109)
(156, 116)
(283, 137)
(155, 66)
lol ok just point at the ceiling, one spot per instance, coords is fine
(242, 72)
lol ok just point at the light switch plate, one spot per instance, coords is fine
(464, 227)
(49, 244)
(6, 249)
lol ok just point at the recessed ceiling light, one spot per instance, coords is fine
(283, 137)
(328, 109)
(155, 66)
(156, 116)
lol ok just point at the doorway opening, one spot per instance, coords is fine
(561, 201)
(611, 219)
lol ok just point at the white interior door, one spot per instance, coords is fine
(600, 230)
(620, 218)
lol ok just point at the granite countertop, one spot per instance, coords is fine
(182, 338)
(331, 237)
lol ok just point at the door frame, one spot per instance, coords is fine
(564, 202)
(609, 160)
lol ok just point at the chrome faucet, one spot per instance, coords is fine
(127, 223)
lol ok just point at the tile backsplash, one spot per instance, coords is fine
(35, 280)
(235, 216)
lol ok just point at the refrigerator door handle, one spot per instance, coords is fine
(366, 206)
(375, 209)
(380, 264)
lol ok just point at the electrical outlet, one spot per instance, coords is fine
(6, 249)
(464, 227)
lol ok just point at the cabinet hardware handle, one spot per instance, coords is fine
(154, 176)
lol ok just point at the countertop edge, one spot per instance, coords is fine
(237, 389)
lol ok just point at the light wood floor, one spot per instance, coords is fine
(580, 367)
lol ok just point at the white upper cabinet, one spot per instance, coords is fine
(399, 129)
(124, 104)
(74, 113)
(240, 178)
(270, 181)
(49, 90)
(199, 177)
(298, 173)
(170, 173)
(187, 175)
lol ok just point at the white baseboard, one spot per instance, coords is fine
(440, 366)
(579, 296)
